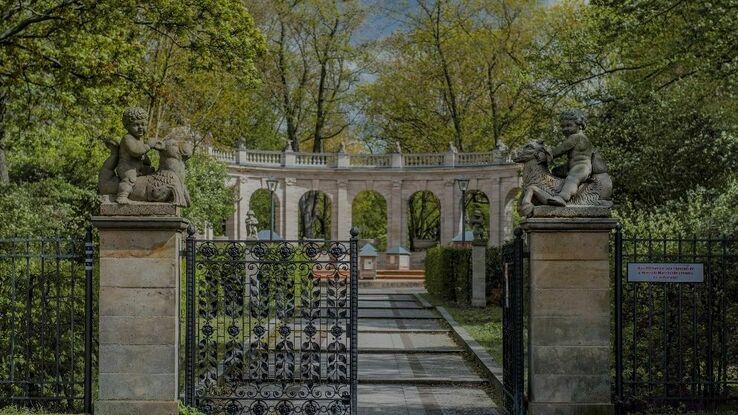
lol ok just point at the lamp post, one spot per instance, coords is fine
(463, 184)
(272, 185)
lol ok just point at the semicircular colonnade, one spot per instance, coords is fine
(395, 176)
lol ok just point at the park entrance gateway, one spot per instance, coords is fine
(271, 326)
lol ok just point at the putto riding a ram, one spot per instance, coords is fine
(127, 176)
(583, 183)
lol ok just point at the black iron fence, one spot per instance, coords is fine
(513, 346)
(46, 323)
(676, 327)
(271, 326)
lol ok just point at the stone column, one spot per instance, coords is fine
(242, 206)
(496, 207)
(569, 314)
(343, 211)
(449, 222)
(290, 200)
(479, 273)
(139, 308)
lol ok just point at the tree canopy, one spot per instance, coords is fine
(658, 81)
(69, 68)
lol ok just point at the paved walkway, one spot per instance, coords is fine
(408, 362)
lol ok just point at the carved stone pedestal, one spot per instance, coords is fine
(569, 319)
(139, 308)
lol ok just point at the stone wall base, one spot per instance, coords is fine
(136, 407)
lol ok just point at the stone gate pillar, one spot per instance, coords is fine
(569, 318)
(138, 308)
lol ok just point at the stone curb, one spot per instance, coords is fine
(486, 362)
(426, 382)
(425, 350)
(392, 331)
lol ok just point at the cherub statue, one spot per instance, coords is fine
(584, 182)
(127, 175)
(579, 152)
(132, 159)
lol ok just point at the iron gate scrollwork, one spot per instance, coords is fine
(271, 326)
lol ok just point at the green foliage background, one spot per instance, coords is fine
(369, 214)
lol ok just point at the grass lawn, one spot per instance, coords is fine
(484, 324)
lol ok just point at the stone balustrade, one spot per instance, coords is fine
(260, 158)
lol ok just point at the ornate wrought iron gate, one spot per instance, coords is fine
(513, 348)
(676, 342)
(271, 326)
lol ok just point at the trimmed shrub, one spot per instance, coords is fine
(495, 273)
(448, 273)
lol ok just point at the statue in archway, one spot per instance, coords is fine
(127, 175)
(477, 223)
(582, 182)
(252, 225)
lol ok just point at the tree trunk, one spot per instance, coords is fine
(4, 176)
(319, 111)
(491, 89)
(452, 104)
(289, 114)
(307, 206)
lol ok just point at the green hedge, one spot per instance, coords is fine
(448, 273)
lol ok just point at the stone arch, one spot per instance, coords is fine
(478, 200)
(369, 215)
(423, 219)
(315, 215)
(259, 204)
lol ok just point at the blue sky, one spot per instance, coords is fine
(385, 17)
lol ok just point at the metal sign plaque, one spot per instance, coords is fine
(665, 272)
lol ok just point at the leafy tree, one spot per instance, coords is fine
(312, 66)
(424, 217)
(260, 204)
(315, 215)
(211, 200)
(48, 207)
(369, 214)
(69, 68)
(464, 70)
(659, 81)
